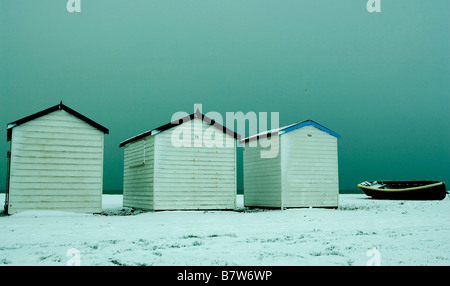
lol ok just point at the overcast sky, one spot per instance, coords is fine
(380, 80)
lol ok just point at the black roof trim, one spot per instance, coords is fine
(60, 106)
(174, 123)
(260, 136)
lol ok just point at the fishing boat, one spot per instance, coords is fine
(404, 190)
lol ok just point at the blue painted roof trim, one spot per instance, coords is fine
(312, 123)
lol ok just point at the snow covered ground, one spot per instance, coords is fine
(362, 231)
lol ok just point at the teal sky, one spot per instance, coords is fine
(380, 80)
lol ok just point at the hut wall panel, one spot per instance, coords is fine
(309, 168)
(138, 174)
(56, 163)
(194, 177)
(262, 178)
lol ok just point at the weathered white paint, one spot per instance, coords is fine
(57, 164)
(304, 174)
(262, 178)
(138, 170)
(309, 168)
(180, 178)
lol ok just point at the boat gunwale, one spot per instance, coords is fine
(402, 190)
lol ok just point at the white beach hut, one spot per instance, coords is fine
(302, 170)
(55, 162)
(187, 164)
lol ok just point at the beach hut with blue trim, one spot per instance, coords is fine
(293, 166)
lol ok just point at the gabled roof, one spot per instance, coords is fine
(60, 106)
(289, 128)
(185, 119)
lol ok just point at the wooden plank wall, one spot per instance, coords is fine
(196, 177)
(262, 178)
(57, 164)
(138, 174)
(309, 168)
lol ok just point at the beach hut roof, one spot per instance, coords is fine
(289, 128)
(177, 122)
(60, 106)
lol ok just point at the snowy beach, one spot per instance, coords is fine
(361, 231)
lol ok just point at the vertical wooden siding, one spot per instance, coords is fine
(195, 177)
(138, 174)
(57, 164)
(309, 168)
(262, 178)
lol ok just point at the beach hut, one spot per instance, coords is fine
(55, 162)
(301, 169)
(187, 164)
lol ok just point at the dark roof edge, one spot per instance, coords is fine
(174, 123)
(60, 106)
(84, 118)
(260, 136)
